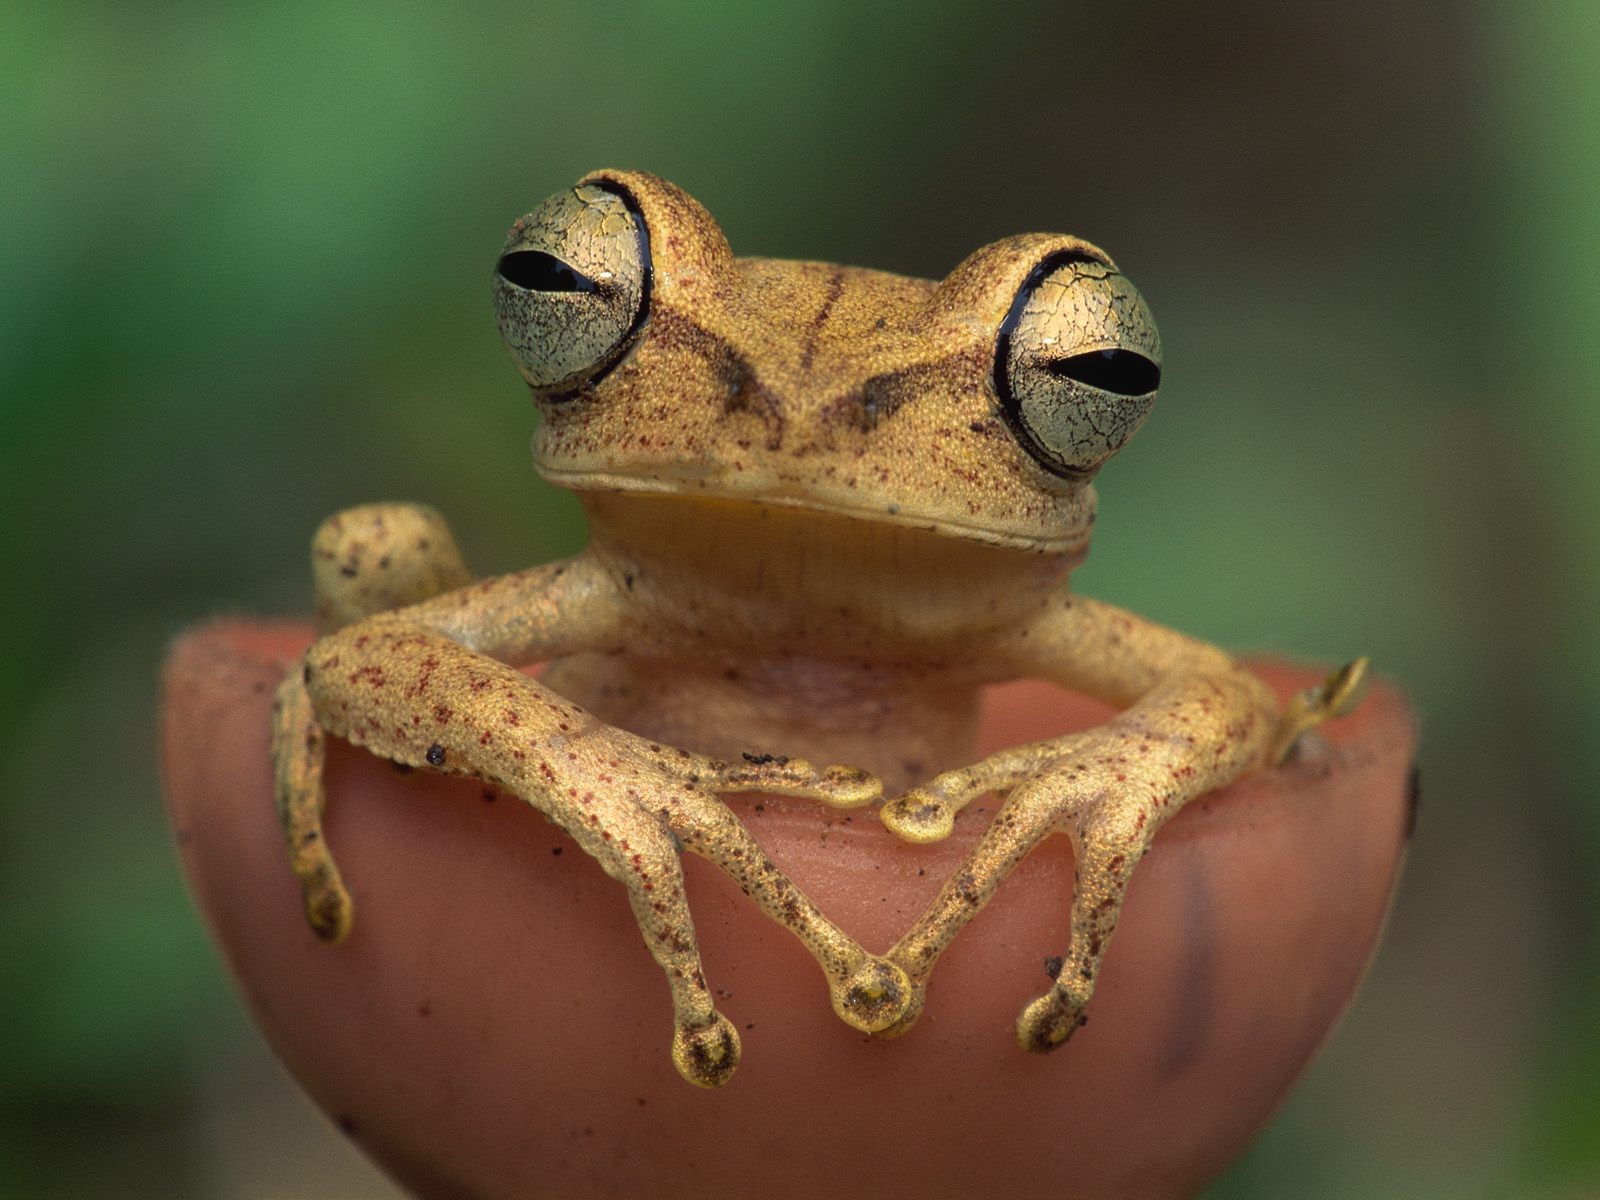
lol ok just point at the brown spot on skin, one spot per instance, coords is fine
(1052, 965)
(820, 318)
(347, 1125)
(745, 392)
(372, 675)
(880, 398)
(435, 755)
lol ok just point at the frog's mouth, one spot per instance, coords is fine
(1069, 537)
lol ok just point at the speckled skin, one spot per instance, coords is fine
(822, 517)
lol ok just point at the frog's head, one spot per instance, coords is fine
(978, 407)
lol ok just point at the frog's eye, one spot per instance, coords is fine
(1077, 364)
(572, 287)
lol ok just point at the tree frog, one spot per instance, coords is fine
(827, 505)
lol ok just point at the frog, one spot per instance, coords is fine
(827, 506)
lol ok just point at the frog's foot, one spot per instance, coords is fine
(298, 747)
(1017, 828)
(867, 992)
(1108, 789)
(378, 557)
(1335, 696)
(1110, 830)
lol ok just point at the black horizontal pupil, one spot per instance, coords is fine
(536, 271)
(1123, 372)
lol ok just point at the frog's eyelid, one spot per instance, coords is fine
(537, 271)
(647, 266)
(1066, 258)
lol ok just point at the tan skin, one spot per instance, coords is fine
(827, 505)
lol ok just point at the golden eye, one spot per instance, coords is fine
(572, 287)
(1077, 364)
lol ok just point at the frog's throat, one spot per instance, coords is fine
(1072, 541)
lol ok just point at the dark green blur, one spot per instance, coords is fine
(244, 280)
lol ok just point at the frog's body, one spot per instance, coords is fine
(827, 505)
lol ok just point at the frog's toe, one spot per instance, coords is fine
(707, 1057)
(376, 557)
(874, 997)
(919, 817)
(1049, 1020)
(848, 787)
(329, 909)
(1336, 696)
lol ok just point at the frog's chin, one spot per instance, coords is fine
(1071, 541)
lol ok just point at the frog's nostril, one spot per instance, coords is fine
(536, 271)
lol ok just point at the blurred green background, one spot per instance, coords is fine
(244, 264)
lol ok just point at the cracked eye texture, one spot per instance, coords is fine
(566, 326)
(1080, 307)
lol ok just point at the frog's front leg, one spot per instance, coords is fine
(385, 554)
(1193, 721)
(426, 686)
(364, 560)
(415, 697)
